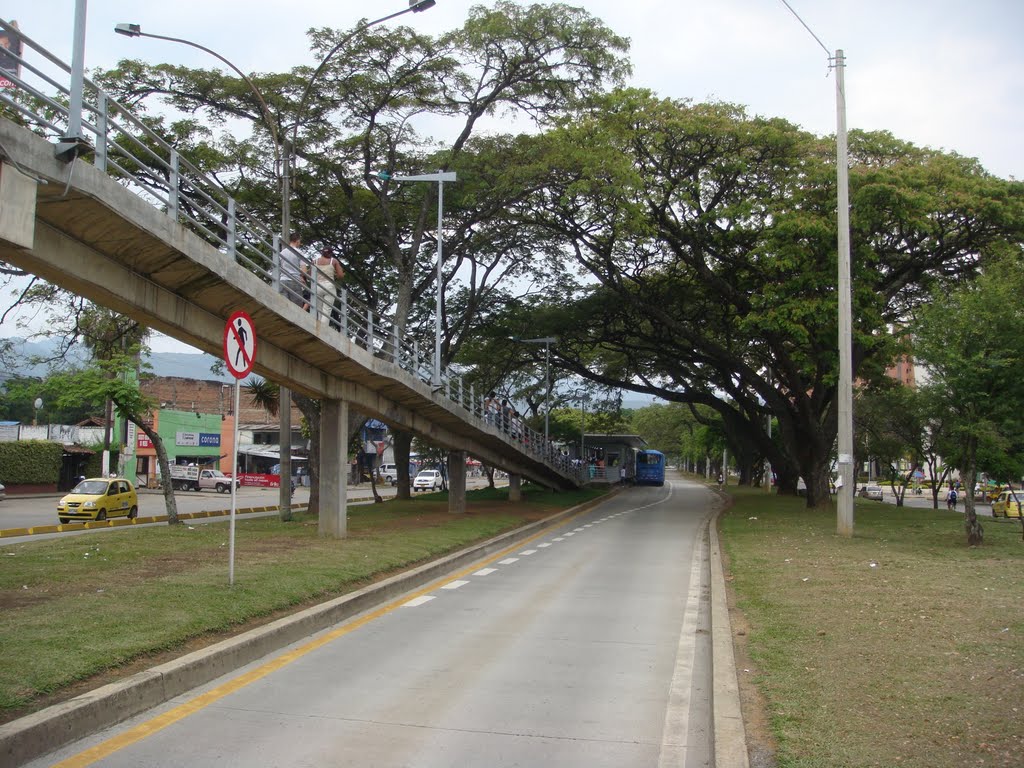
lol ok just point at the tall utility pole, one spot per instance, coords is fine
(844, 494)
(844, 405)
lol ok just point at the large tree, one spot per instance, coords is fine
(708, 237)
(972, 341)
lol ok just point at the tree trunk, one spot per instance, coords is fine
(975, 534)
(165, 471)
(310, 410)
(402, 446)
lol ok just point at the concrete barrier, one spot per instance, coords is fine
(730, 734)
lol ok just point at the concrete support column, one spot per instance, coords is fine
(333, 468)
(284, 412)
(18, 202)
(515, 493)
(457, 481)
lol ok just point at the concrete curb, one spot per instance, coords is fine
(730, 735)
(41, 732)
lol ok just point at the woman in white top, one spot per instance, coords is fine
(329, 270)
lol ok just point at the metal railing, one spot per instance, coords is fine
(127, 150)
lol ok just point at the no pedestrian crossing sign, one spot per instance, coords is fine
(239, 344)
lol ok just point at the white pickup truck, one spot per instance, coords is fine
(195, 479)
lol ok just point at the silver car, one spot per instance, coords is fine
(873, 492)
(3, 492)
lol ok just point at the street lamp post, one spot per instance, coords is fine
(135, 30)
(281, 151)
(547, 341)
(440, 177)
(583, 423)
(415, 6)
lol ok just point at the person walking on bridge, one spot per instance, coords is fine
(328, 271)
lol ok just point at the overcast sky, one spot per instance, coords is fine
(939, 73)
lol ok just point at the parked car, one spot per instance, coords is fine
(428, 480)
(870, 492)
(1006, 506)
(99, 498)
(192, 478)
(388, 472)
(3, 492)
(994, 493)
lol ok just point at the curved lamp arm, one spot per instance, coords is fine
(415, 6)
(135, 30)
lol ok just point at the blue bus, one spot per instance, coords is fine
(650, 468)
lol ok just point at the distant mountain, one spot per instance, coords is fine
(184, 365)
(193, 365)
(188, 365)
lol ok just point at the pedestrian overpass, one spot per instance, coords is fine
(124, 220)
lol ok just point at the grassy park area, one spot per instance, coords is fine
(899, 647)
(77, 610)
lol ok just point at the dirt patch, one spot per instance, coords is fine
(760, 741)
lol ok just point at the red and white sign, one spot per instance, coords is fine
(259, 481)
(240, 344)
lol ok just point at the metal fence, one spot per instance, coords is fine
(126, 149)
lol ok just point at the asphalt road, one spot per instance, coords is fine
(26, 512)
(586, 646)
(924, 501)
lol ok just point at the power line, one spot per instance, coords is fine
(826, 50)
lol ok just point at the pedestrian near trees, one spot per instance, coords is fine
(329, 270)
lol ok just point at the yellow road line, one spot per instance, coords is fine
(180, 712)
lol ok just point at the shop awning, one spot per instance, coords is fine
(268, 451)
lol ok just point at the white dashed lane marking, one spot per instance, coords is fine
(418, 601)
(507, 561)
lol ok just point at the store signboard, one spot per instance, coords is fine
(197, 439)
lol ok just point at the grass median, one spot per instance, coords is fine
(898, 647)
(78, 610)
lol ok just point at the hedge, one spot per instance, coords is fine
(30, 462)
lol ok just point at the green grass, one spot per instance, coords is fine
(898, 647)
(75, 607)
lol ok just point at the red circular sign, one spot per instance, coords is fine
(240, 344)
